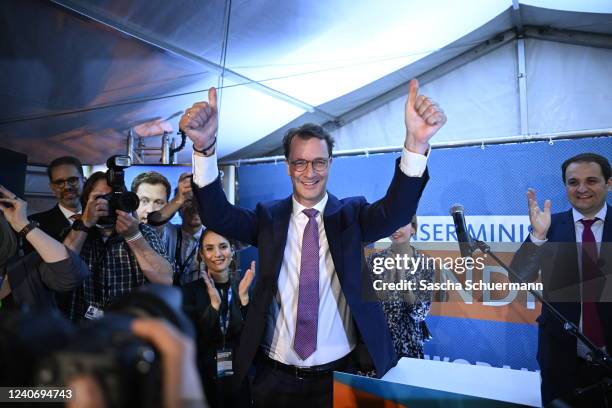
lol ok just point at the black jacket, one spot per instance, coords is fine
(209, 337)
(558, 261)
(348, 223)
(33, 281)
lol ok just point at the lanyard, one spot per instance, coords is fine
(225, 321)
(178, 253)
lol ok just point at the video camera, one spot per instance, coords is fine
(119, 198)
(44, 349)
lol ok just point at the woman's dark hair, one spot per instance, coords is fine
(89, 185)
(233, 267)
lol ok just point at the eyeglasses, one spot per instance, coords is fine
(317, 164)
(73, 181)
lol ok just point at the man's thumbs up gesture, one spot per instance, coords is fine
(200, 124)
(423, 119)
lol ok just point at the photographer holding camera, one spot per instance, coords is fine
(121, 253)
(180, 387)
(140, 354)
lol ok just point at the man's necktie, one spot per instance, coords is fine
(591, 324)
(66, 230)
(305, 342)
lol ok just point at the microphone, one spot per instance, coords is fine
(466, 245)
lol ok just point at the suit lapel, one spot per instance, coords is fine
(61, 226)
(333, 231)
(567, 229)
(605, 251)
(236, 316)
(272, 238)
(281, 214)
(607, 231)
(568, 255)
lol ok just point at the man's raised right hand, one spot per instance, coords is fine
(201, 121)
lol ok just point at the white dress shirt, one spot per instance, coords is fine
(67, 213)
(336, 334)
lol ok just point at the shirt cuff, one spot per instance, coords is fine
(538, 242)
(205, 169)
(413, 164)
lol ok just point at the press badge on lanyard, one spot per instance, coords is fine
(93, 313)
(224, 354)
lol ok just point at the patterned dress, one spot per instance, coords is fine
(405, 310)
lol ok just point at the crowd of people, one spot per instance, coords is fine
(278, 341)
(74, 263)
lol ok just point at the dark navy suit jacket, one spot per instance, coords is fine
(558, 260)
(53, 222)
(348, 224)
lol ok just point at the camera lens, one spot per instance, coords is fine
(128, 202)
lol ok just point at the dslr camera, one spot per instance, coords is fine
(42, 348)
(119, 198)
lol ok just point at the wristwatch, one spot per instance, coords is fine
(26, 230)
(79, 225)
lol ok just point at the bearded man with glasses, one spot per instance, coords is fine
(66, 182)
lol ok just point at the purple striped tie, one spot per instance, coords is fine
(305, 342)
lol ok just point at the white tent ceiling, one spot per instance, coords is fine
(77, 75)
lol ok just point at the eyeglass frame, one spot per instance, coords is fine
(61, 183)
(312, 163)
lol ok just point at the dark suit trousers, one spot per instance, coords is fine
(586, 378)
(277, 388)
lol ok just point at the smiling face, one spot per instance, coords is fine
(217, 253)
(586, 187)
(67, 185)
(152, 198)
(309, 186)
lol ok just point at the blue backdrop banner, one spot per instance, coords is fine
(491, 183)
